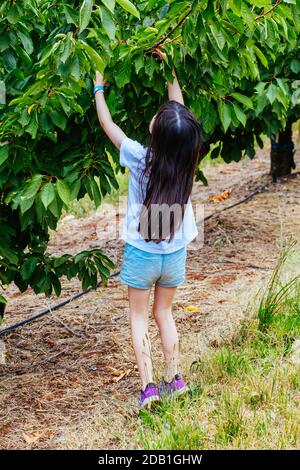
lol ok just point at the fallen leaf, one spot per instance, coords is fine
(117, 379)
(119, 374)
(221, 197)
(122, 410)
(30, 439)
(192, 308)
(114, 371)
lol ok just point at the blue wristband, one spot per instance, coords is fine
(98, 88)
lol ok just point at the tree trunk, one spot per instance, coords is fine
(282, 153)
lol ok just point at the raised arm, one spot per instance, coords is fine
(113, 132)
(174, 90)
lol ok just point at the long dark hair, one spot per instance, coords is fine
(175, 149)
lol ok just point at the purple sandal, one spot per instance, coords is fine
(177, 386)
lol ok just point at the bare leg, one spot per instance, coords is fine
(162, 311)
(139, 304)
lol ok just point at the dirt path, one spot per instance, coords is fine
(69, 380)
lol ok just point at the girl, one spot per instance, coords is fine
(158, 227)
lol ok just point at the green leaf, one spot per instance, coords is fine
(9, 254)
(4, 42)
(283, 85)
(104, 185)
(47, 194)
(241, 116)
(107, 261)
(218, 36)
(108, 23)
(28, 268)
(3, 153)
(58, 118)
(139, 62)
(272, 92)
(128, 6)
(150, 66)
(3, 300)
(66, 50)
(71, 15)
(63, 191)
(85, 14)
(75, 188)
(208, 118)
(260, 87)
(295, 65)
(32, 187)
(247, 15)
(102, 269)
(95, 59)
(54, 207)
(215, 152)
(22, 54)
(225, 114)
(236, 6)
(95, 191)
(32, 127)
(261, 57)
(48, 52)
(236, 21)
(261, 3)
(9, 60)
(87, 185)
(201, 177)
(61, 260)
(26, 204)
(75, 68)
(55, 283)
(13, 14)
(79, 257)
(123, 73)
(261, 103)
(26, 42)
(243, 99)
(110, 4)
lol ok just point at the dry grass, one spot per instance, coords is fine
(244, 394)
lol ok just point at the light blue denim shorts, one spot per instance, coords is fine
(142, 269)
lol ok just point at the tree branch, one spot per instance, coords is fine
(161, 41)
(261, 15)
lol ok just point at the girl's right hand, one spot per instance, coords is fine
(99, 80)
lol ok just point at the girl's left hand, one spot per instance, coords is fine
(100, 80)
(159, 53)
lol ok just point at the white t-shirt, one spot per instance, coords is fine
(132, 155)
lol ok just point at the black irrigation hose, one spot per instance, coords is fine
(80, 294)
